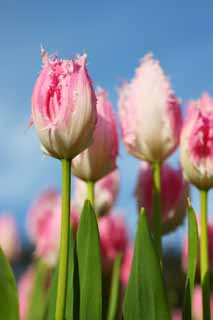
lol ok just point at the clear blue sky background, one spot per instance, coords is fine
(115, 35)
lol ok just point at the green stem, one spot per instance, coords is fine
(64, 242)
(204, 257)
(157, 206)
(91, 192)
(114, 291)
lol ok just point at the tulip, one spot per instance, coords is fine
(150, 114)
(25, 286)
(176, 315)
(106, 191)
(9, 237)
(44, 219)
(197, 161)
(100, 158)
(197, 304)
(174, 191)
(126, 266)
(113, 237)
(64, 107)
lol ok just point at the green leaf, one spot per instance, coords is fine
(114, 292)
(8, 292)
(38, 299)
(52, 294)
(145, 294)
(192, 262)
(89, 264)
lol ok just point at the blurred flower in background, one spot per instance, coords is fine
(174, 192)
(106, 192)
(9, 237)
(25, 286)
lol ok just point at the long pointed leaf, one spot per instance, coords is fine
(145, 294)
(89, 264)
(192, 263)
(8, 291)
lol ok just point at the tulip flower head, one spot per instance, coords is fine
(25, 286)
(150, 114)
(126, 266)
(9, 238)
(64, 107)
(106, 191)
(196, 147)
(113, 237)
(174, 191)
(100, 158)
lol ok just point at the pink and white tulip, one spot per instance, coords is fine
(100, 158)
(113, 237)
(9, 237)
(196, 147)
(150, 114)
(25, 286)
(106, 191)
(44, 221)
(174, 191)
(64, 107)
(126, 266)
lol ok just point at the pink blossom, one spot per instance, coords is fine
(174, 191)
(9, 237)
(197, 142)
(197, 304)
(64, 106)
(126, 266)
(113, 237)
(25, 286)
(210, 243)
(106, 191)
(150, 114)
(100, 158)
(177, 315)
(44, 220)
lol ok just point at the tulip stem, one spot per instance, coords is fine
(204, 260)
(64, 242)
(91, 192)
(114, 291)
(157, 206)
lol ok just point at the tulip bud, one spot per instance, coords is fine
(174, 191)
(44, 221)
(196, 149)
(9, 238)
(100, 158)
(106, 191)
(64, 107)
(150, 114)
(113, 237)
(126, 266)
(25, 286)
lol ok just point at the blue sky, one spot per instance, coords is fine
(115, 35)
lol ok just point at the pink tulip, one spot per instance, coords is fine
(177, 315)
(9, 237)
(64, 107)
(113, 237)
(25, 286)
(126, 266)
(44, 225)
(196, 147)
(100, 158)
(174, 191)
(106, 191)
(150, 114)
(197, 304)
(210, 242)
